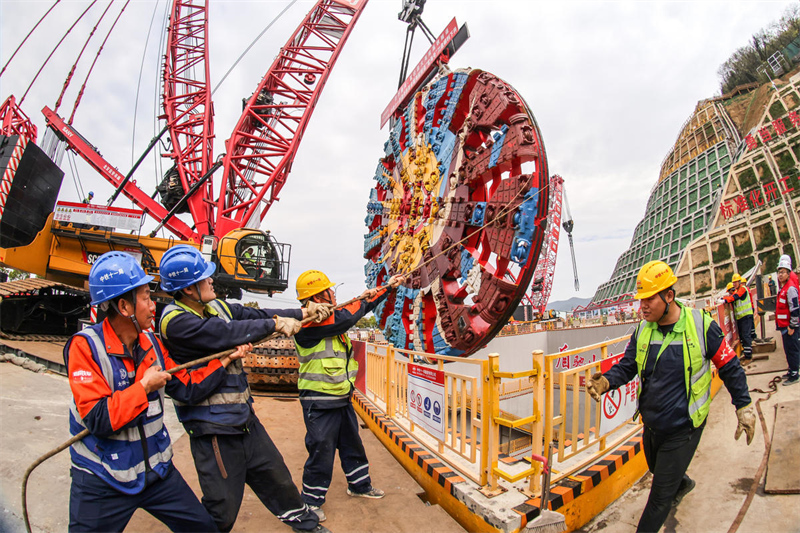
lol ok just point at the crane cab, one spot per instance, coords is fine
(252, 260)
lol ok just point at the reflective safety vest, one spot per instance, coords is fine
(119, 459)
(230, 405)
(782, 306)
(697, 368)
(743, 307)
(327, 367)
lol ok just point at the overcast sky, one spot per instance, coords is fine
(610, 84)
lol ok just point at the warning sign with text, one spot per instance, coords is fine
(619, 405)
(426, 399)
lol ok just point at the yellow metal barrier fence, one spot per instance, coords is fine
(472, 415)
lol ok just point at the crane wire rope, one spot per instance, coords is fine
(76, 178)
(139, 82)
(97, 55)
(80, 54)
(54, 50)
(273, 21)
(26, 37)
(160, 59)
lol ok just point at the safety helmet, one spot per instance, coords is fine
(737, 277)
(312, 282)
(653, 278)
(785, 262)
(91, 193)
(114, 274)
(729, 286)
(182, 266)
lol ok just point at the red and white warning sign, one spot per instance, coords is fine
(619, 405)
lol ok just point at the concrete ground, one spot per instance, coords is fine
(33, 420)
(724, 469)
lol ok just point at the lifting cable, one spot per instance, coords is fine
(26, 37)
(54, 50)
(285, 9)
(773, 386)
(139, 81)
(97, 55)
(74, 65)
(76, 179)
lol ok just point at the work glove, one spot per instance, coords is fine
(286, 326)
(320, 312)
(396, 280)
(747, 423)
(721, 300)
(598, 385)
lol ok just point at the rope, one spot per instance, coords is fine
(74, 65)
(80, 93)
(773, 386)
(54, 51)
(85, 432)
(26, 37)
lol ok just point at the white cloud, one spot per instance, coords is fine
(610, 84)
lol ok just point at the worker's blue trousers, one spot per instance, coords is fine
(328, 430)
(96, 506)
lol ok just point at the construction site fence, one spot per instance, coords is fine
(562, 410)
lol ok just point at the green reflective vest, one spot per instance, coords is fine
(690, 332)
(743, 307)
(327, 366)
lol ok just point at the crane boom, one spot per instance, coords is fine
(188, 107)
(262, 146)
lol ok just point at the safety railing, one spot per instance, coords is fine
(464, 426)
(562, 411)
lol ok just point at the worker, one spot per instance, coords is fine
(729, 287)
(327, 375)
(229, 444)
(671, 351)
(117, 374)
(88, 198)
(743, 314)
(787, 318)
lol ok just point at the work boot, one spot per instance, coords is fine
(792, 379)
(686, 486)
(319, 529)
(319, 512)
(371, 493)
(787, 375)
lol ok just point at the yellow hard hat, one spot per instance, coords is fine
(312, 282)
(653, 278)
(737, 277)
(729, 286)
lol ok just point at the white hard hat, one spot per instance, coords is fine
(785, 262)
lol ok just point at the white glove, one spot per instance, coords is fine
(287, 326)
(320, 312)
(721, 300)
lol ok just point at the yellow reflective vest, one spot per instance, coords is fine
(327, 367)
(690, 332)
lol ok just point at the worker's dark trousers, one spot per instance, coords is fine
(745, 327)
(326, 431)
(249, 458)
(668, 457)
(791, 345)
(96, 506)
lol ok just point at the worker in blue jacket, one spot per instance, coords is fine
(671, 351)
(229, 444)
(117, 374)
(327, 375)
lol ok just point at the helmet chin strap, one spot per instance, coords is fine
(666, 309)
(199, 298)
(132, 317)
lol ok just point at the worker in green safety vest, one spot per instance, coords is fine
(671, 351)
(326, 381)
(743, 314)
